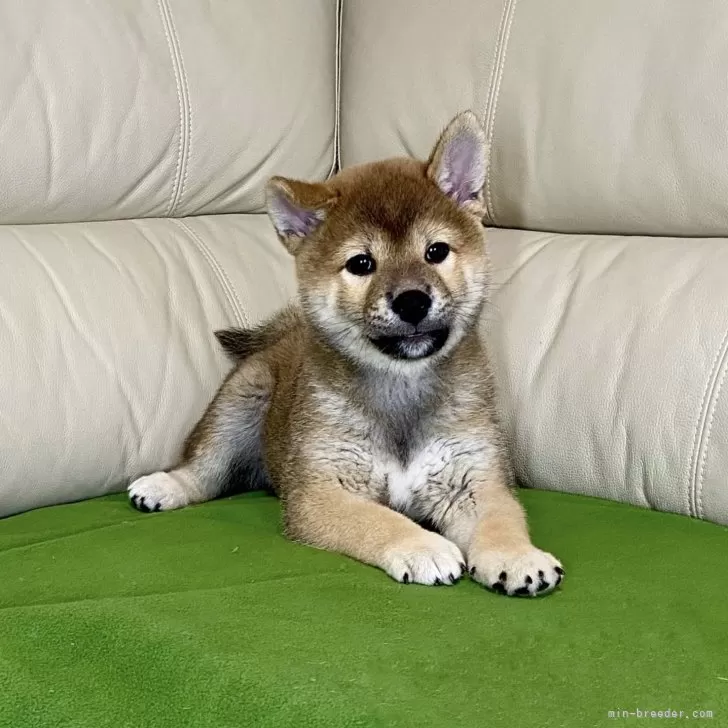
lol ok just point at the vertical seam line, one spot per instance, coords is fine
(336, 157)
(499, 61)
(703, 429)
(185, 112)
(241, 318)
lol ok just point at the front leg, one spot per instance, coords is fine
(483, 516)
(321, 513)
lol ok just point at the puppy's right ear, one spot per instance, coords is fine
(297, 209)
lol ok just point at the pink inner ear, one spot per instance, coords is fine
(292, 220)
(462, 168)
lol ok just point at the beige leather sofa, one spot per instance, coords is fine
(136, 137)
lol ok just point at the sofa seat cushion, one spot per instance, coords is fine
(208, 617)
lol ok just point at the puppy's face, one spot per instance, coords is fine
(390, 256)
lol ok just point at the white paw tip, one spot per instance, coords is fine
(431, 560)
(531, 574)
(157, 492)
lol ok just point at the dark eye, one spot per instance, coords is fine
(437, 252)
(361, 265)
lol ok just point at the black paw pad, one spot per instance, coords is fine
(405, 578)
(454, 578)
(522, 591)
(559, 570)
(472, 571)
(542, 585)
(498, 587)
(438, 582)
(529, 580)
(502, 576)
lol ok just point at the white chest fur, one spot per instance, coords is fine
(404, 484)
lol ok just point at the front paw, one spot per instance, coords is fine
(427, 558)
(528, 574)
(157, 492)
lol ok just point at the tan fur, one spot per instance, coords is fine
(361, 446)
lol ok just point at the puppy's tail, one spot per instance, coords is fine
(239, 344)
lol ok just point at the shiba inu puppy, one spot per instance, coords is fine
(368, 406)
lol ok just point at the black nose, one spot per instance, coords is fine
(412, 306)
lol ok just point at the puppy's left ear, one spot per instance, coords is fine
(457, 163)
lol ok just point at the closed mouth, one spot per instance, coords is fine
(412, 346)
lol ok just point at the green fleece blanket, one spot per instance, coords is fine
(207, 617)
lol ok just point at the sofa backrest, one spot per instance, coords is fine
(602, 117)
(153, 108)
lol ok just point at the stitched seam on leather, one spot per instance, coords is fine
(493, 70)
(705, 426)
(499, 61)
(700, 427)
(188, 133)
(183, 99)
(241, 318)
(336, 161)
